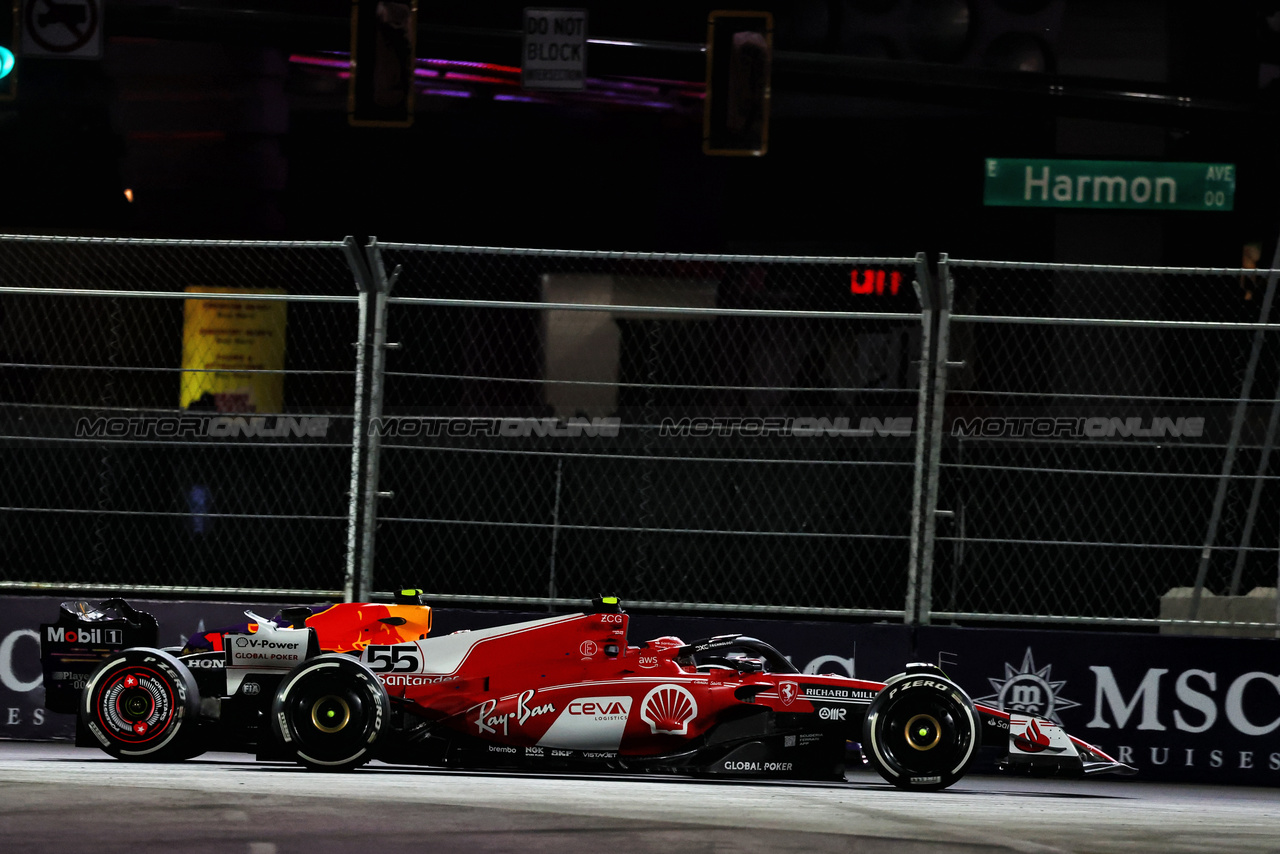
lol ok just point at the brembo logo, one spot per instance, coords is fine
(60, 634)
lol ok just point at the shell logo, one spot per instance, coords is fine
(668, 709)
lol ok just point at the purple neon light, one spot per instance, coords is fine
(320, 61)
(633, 92)
(445, 93)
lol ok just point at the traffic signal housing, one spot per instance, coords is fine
(735, 119)
(8, 52)
(1267, 37)
(383, 57)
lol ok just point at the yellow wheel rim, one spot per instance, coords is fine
(330, 714)
(923, 732)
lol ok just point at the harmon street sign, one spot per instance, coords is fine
(1110, 184)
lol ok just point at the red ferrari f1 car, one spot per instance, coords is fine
(564, 692)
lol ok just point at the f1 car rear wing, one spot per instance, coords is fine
(83, 635)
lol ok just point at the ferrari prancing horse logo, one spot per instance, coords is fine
(788, 692)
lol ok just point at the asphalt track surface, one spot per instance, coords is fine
(58, 797)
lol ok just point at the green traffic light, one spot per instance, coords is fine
(6, 62)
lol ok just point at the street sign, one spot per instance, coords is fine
(1109, 184)
(68, 30)
(555, 49)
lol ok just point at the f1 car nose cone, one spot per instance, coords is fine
(923, 732)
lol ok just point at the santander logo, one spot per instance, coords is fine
(668, 709)
(1032, 740)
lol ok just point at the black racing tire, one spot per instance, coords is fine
(921, 732)
(329, 713)
(140, 705)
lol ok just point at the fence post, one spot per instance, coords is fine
(555, 535)
(1237, 424)
(382, 285)
(1263, 462)
(359, 427)
(1268, 443)
(924, 290)
(929, 510)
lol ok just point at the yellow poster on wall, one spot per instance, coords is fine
(233, 352)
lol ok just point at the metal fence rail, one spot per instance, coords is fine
(124, 464)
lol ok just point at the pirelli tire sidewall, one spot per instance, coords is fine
(329, 713)
(141, 705)
(921, 732)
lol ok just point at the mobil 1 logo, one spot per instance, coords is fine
(555, 49)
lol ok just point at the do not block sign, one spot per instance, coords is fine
(555, 49)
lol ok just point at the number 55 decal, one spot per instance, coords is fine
(393, 659)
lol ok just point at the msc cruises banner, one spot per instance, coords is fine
(1199, 709)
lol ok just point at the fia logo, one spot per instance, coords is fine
(1029, 691)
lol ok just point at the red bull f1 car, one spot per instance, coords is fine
(335, 688)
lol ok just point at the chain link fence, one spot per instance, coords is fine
(154, 440)
(730, 433)
(1105, 437)
(690, 431)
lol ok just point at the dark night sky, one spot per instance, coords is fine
(218, 135)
